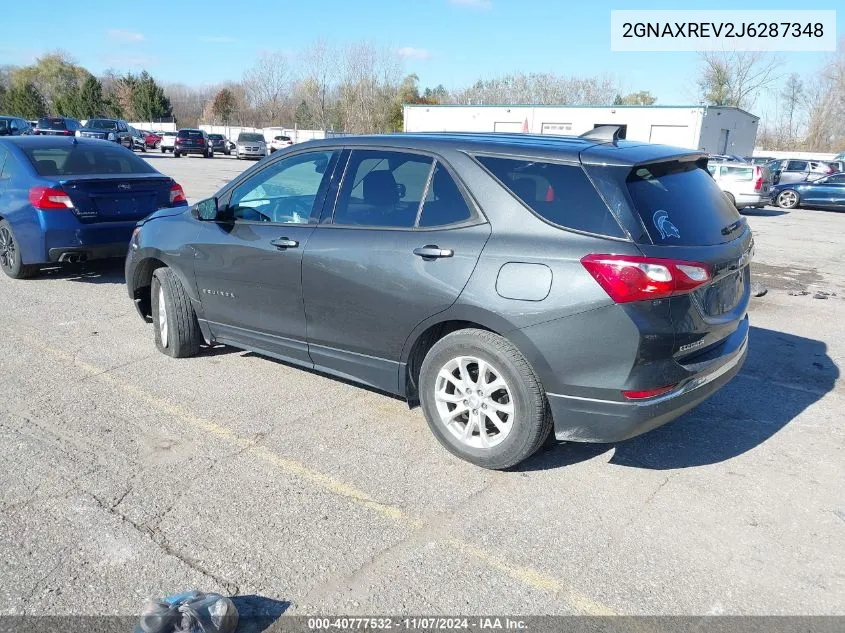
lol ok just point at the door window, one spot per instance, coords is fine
(285, 192)
(796, 165)
(444, 203)
(836, 179)
(383, 189)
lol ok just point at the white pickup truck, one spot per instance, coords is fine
(168, 141)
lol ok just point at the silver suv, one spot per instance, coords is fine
(250, 145)
(744, 184)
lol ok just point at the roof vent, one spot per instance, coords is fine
(605, 133)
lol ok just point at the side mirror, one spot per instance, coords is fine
(206, 209)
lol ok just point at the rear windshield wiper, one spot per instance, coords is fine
(730, 228)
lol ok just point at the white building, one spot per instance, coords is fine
(714, 129)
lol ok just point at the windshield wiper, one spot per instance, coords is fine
(730, 228)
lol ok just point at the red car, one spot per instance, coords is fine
(151, 139)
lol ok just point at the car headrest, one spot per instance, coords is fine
(443, 186)
(46, 167)
(380, 189)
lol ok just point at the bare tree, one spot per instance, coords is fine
(268, 85)
(540, 89)
(735, 78)
(320, 77)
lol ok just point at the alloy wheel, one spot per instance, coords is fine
(162, 317)
(474, 402)
(8, 254)
(787, 199)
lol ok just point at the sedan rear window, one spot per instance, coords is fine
(51, 124)
(85, 160)
(681, 205)
(190, 133)
(558, 193)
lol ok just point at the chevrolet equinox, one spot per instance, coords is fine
(508, 284)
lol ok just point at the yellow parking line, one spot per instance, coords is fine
(526, 575)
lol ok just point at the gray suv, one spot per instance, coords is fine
(509, 284)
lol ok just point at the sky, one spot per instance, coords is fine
(449, 42)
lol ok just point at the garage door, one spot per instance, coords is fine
(670, 135)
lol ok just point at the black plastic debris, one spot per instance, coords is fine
(821, 294)
(189, 612)
(798, 293)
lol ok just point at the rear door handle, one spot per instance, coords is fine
(284, 242)
(433, 252)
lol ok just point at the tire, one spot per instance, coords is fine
(144, 148)
(228, 152)
(163, 151)
(788, 199)
(181, 337)
(528, 420)
(210, 154)
(10, 255)
(731, 199)
(177, 154)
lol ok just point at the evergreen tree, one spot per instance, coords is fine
(26, 102)
(90, 102)
(148, 99)
(224, 105)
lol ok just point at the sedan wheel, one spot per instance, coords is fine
(10, 259)
(787, 199)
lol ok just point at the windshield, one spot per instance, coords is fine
(249, 137)
(85, 160)
(101, 124)
(680, 204)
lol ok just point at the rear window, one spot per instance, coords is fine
(190, 133)
(283, 138)
(680, 204)
(51, 124)
(85, 160)
(215, 137)
(249, 137)
(168, 133)
(737, 173)
(560, 194)
(101, 124)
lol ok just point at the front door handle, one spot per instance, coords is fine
(284, 242)
(430, 251)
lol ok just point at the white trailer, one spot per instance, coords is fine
(714, 129)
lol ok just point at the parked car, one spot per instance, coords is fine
(759, 160)
(825, 193)
(152, 140)
(220, 143)
(250, 145)
(138, 142)
(839, 156)
(73, 199)
(280, 142)
(744, 184)
(794, 170)
(729, 158)
(57, 126)
(837, 165)
(116, 130)
(14, 126)
(189, 141)
(482, 276)
(168, 141)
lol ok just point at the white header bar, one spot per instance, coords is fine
(716, 30)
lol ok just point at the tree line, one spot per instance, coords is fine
(56, 85)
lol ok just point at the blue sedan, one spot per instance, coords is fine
(824, 193)
(73, 199)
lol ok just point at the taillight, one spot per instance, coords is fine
(758, 183)
(177, 194)
(49, 198)
(629, 278)
(647, 393)
(200, 141)
(67, 132)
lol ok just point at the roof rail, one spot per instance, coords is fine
(607, 133)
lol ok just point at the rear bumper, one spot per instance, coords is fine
(752, 199)
(191, 150)
(85, 253)
(580, 419)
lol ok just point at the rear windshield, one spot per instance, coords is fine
(730, 172)
(283, 138)
(51, 124)
(248, 137)
(681, 205)
(560, 194)
(168, 133)
(85, 160)
(189, 133)
(101, 124)
(216, 137)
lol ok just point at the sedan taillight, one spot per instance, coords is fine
(47, 198)
(177, 194)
